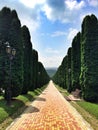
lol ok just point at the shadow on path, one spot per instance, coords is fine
(40, 99)
(32, 109)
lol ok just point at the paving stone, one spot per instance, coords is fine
(50, 111)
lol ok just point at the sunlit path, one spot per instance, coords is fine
(50, 111)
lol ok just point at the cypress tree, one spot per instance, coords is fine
(69, 70)
(10, 30)
(75, 62)
(27, 59)
(89, 58)
(57, 78)
(5, 20)
(34, 70)
(17, 66)
(60, 75)
(43, 77)
(25, 65)
(64, 71)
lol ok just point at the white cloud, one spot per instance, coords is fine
(62, 10)
(72, 34)
(58, 33)
(52, 51)
(73, 4)
(30, 23)
(93, 3)
(53, 57)
(32, 3)
(48, 11)
(53, 61)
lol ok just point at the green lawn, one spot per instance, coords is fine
(17, 104)
(92, 108)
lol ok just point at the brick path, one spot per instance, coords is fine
(50, 111)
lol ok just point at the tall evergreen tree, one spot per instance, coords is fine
(69, 70)
(34, 70)
(10, 30)
(60, 75)
(27, 61)
(16, 42)
(5, 20)
(43, 77)
(75, 62)
(89, 58)
(25, 66)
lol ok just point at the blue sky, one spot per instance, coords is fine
(52, 24)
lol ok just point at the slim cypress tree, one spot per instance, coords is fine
(5, 20)
(43, 77)
(75, 62)
(69, 70)
(34, 70)
(27, 62)
(16, 42)
(89, 58)
(10, 30)
(60, 76)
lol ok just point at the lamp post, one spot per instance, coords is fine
(11, 54)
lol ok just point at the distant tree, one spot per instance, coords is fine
(69, 70)
(60, 76)
(43, 77)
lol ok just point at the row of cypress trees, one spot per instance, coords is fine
(26, 70)
(79, 68)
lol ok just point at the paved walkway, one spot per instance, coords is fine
(50, 111)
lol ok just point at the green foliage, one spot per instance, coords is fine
(43, 77)
(25, 66)
(80, 70)
(60, 76)
(69, 70)
(89, 58)
(27, 59)
(76, 62)
(35, 69)
(10, 30)
(15, 41)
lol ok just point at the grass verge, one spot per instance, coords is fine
(62, 90)
(19, 104)
(89, 111)
(88, 115)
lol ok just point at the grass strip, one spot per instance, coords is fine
(89, 111)
(19, 104)
(90, 117)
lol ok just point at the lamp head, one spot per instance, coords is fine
(13, 52)
(8, 49)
